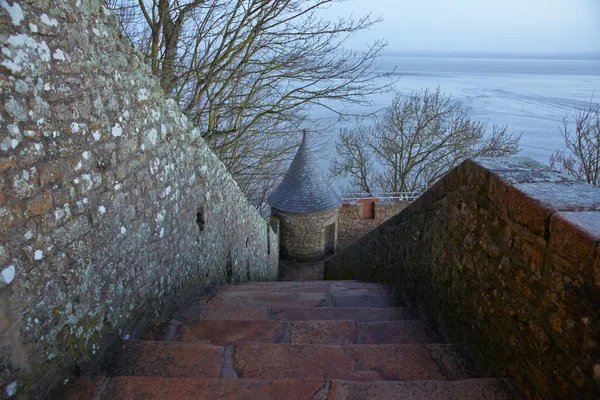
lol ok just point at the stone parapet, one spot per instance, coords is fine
(505, 252)
(352, 224)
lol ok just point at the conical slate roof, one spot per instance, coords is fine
(303, 189)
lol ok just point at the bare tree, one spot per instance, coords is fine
(582, 156)
(417, 139)
(355, 158)
(249, 72)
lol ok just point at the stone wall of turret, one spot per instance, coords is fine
(304, 236)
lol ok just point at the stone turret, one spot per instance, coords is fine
(307, 209)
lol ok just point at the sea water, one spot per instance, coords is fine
(529, 96)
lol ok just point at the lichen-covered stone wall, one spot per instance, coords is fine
(111, 205)
(506, 252)
(302, 236)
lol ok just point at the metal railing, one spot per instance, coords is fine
(384, 197)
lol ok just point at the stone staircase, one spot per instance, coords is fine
(294, 340)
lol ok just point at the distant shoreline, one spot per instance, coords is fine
(576, 56)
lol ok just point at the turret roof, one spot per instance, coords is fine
(303, 188)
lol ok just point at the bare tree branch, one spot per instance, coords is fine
(415, 142)
(249, 72)
(581, 159)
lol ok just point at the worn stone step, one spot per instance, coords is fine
(228, 332)
(359, 290)
(282, 299)
(349, 283)
(468, 389)
(301, 288)
(225, 332)
(234, 313)
(129, 388)
(219, 312)
(363, 362)
(398, 332)
(172, 359)
(337, 287)
(160, 388)
(403, 362)
(269, 299)
(366, 300)
(334, 287)
(341, 313)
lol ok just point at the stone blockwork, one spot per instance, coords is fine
(290, 270)
(112, 206)
(352, 225)
(303, 237)
(505, 252)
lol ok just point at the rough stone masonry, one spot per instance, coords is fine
(507, 253)
(111, 206)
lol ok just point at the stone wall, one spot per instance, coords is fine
(302, 236)
(111, 207)
(290, 270)
(505, 252)
(352, 225)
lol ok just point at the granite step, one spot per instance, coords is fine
(266, 299)
(302, 299)
(154, 388)
(227, 332)
(398, 362)
(348, 283)
(169, 359)
(309, 287)
(293, 340)
(341, 313)
(362, 362)
(250, 288)
(365, 300)
(361, 314)
(467, 389)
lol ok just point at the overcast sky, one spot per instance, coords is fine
(480, 25)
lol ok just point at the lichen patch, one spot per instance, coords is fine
(15, 11)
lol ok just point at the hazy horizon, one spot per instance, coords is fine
(541, 55)
(522, 26)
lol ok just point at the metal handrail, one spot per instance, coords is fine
(402, 196)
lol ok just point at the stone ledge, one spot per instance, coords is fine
(506, 252)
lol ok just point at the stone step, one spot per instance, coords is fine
(170, 359)
(129, 388)
(306, 313)
(341, 313)
(283, 299)
(349, 283)
(309, 287)
(248, 288)
(366, 300)
(362, 362)
(468, 389)
(341, 287)
(225, 333)
(400, 362)
(234, 313)
(266, 299)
